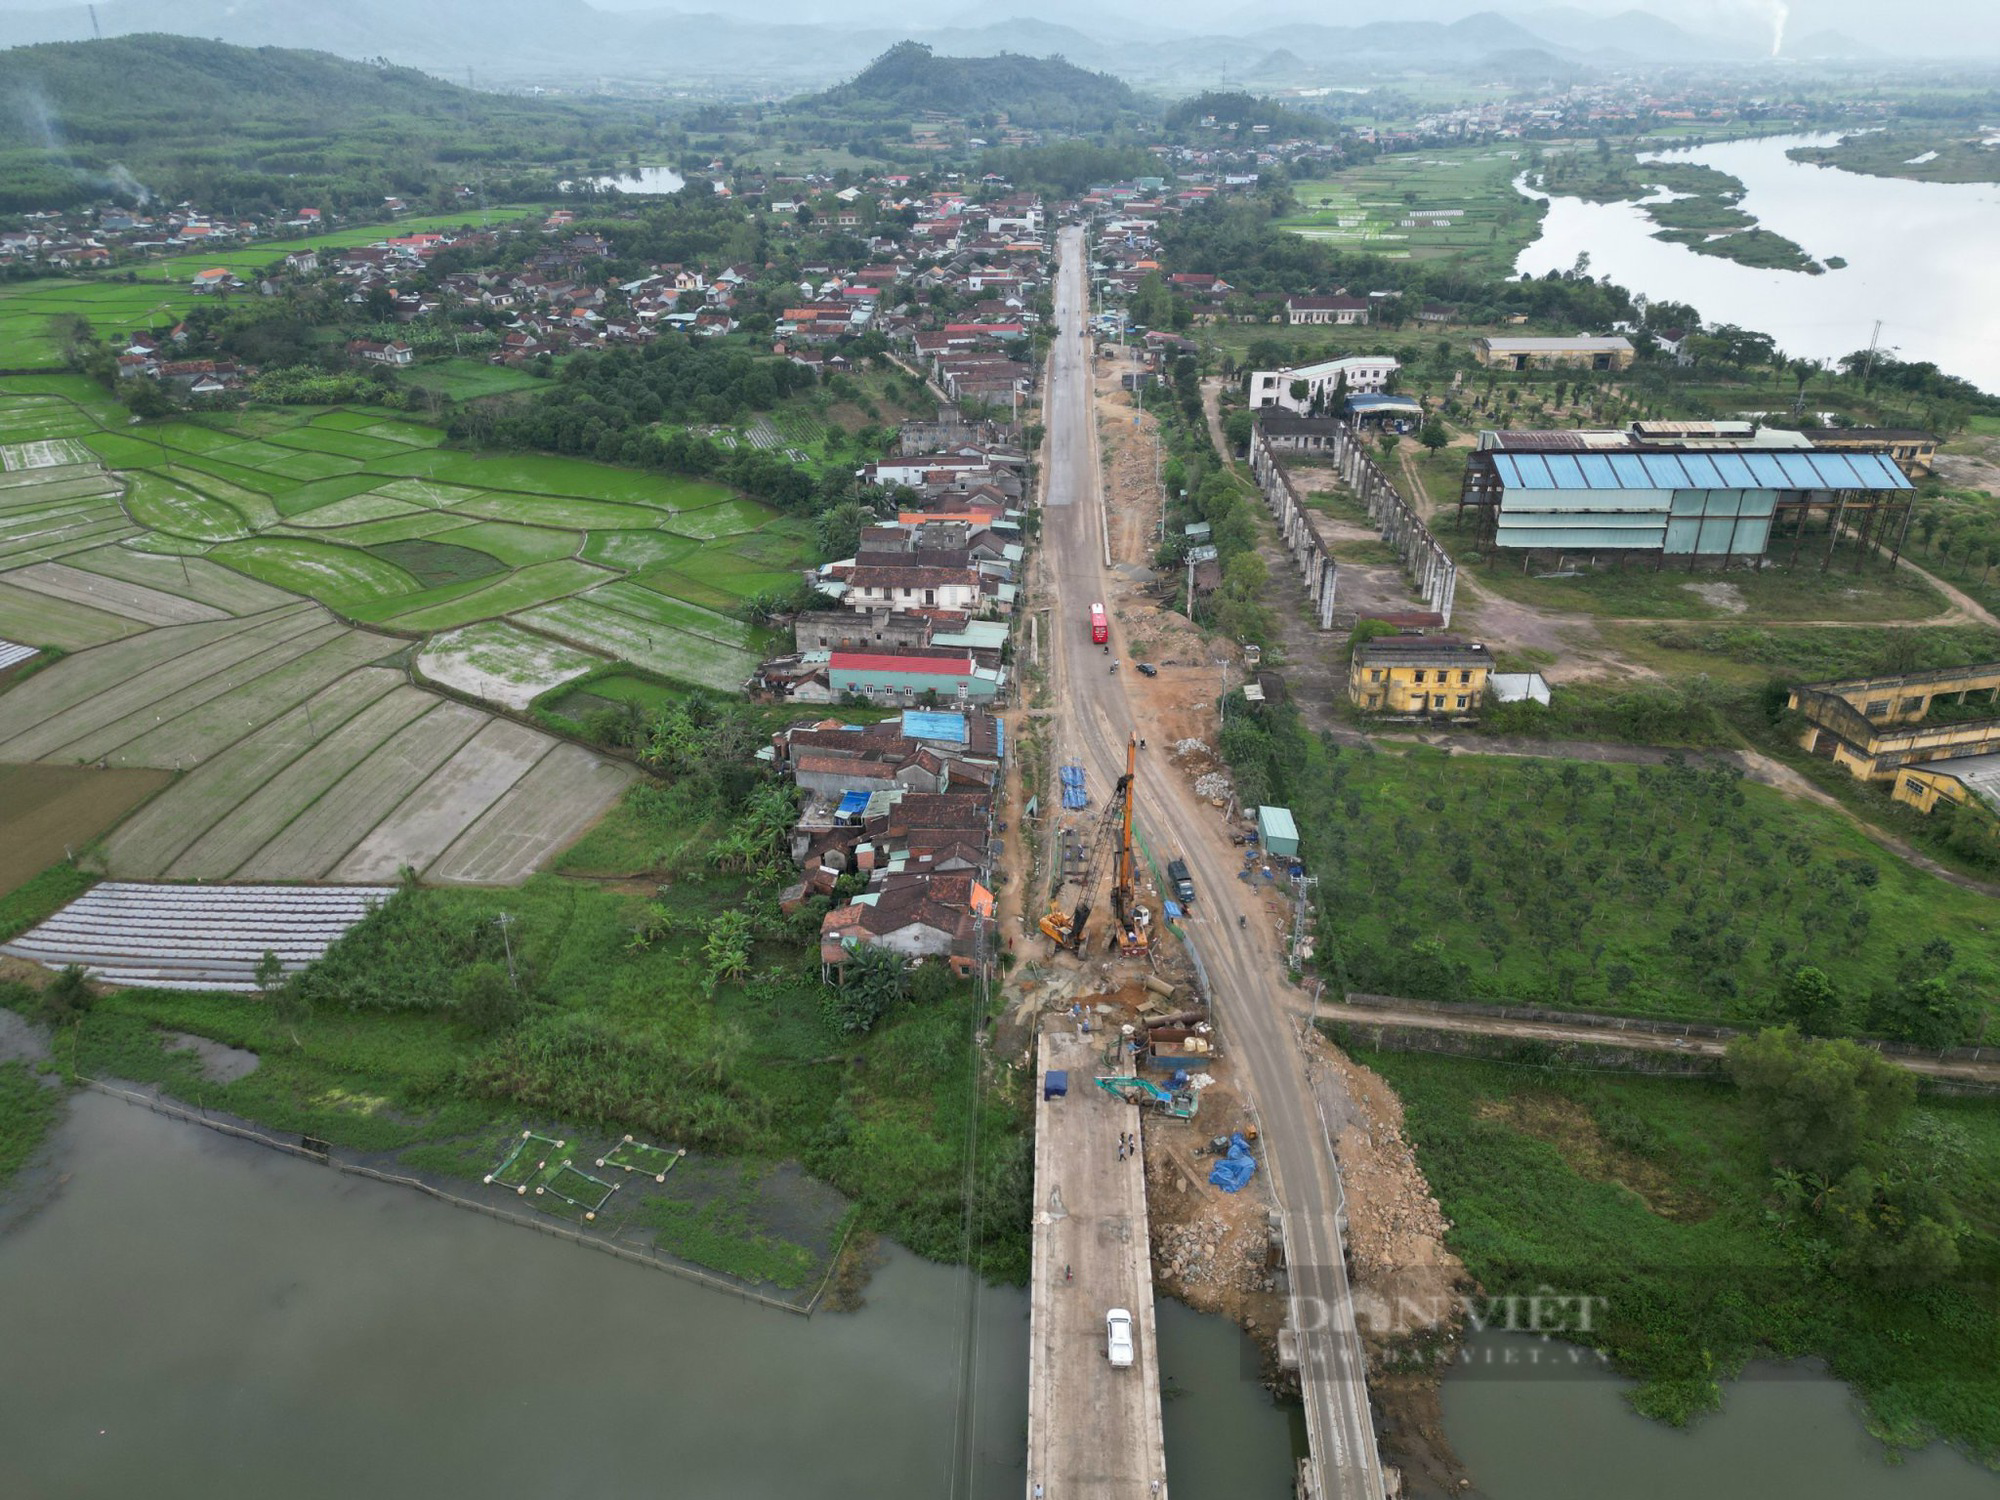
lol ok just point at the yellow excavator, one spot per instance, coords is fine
(1133, 932)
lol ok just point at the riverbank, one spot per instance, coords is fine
(318, 1335)
(1915, 251)
(1693, 205)
(1914, 153)
(1652, 1198)
(586, 1009)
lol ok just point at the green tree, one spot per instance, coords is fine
(726, 948)
(1822, 1105)
(68, 997)
(269, 974)
(486, 997)
(871, 982)
(1808, 1000)
(1433, 436)
(1931, 1012)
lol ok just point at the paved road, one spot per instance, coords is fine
(1092, 1430)
(1243, 963)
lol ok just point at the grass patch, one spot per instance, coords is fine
(434, 563)
(27, 1114)
(720, 1234)
(1687, 1299)
(1773, 594)
(40, 898)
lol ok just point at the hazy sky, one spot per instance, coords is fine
(1905, 28)
(1942, 28)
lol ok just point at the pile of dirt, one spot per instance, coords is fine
(1405, 1277)
(1213, 1251)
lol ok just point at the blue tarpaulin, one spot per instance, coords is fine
(1235, 1170)
(852, 805)
(934, 724)
(1073, 794)
(1055, 1083)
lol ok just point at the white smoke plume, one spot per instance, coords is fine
(42, 124)
(1780, 14)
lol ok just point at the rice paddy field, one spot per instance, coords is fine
(108, 528)
(283, 627)
(293, 753)
(1434, 205)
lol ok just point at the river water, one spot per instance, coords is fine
(194, 1316)
(1919, 254)
(1545, 1421)
(643, 181)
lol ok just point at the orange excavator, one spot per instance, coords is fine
(1133, 921)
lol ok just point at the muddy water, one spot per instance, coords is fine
(47, 810)
(191, 1316)
(1535, 1421)
(1225, 1437)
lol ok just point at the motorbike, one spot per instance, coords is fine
(1114, 669)
(1242, 921)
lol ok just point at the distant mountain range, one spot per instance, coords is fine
(571, 42)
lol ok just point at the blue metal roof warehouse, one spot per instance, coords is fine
(1586, 492)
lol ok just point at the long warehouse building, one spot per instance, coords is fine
(1687, 490)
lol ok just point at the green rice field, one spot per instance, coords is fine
(365, 512)
(1432, 205)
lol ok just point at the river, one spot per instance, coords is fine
(1919, 257)
(190, 1315)
(1545, 1421)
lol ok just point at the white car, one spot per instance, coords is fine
(1118, 1337)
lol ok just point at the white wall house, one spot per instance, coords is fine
(1365, 374)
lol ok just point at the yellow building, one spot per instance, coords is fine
(1959, 780)
(1419, 674)
(1583, 352)
(1882, 728)
(1914, 451)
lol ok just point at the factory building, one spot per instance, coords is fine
(1722, 491)
(1582, 353)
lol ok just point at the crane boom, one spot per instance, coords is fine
(1112, 848)
(1134, 920)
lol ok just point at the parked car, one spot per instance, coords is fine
(1181, 881)
(1118, 1337)
(1147, 669)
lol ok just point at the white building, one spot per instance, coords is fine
(1364, 374)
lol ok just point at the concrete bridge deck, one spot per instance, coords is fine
(1092, 1430)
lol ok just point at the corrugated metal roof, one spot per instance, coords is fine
(1277, 822)
(1698, 471)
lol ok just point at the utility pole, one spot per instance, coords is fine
(504, 921)
(1868, 366)
(1301, 886)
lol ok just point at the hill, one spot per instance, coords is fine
(1034, 91)
(244, 130)
(1243, 111)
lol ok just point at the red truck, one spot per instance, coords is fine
(1100, 628)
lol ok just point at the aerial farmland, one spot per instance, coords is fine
(306, 626)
